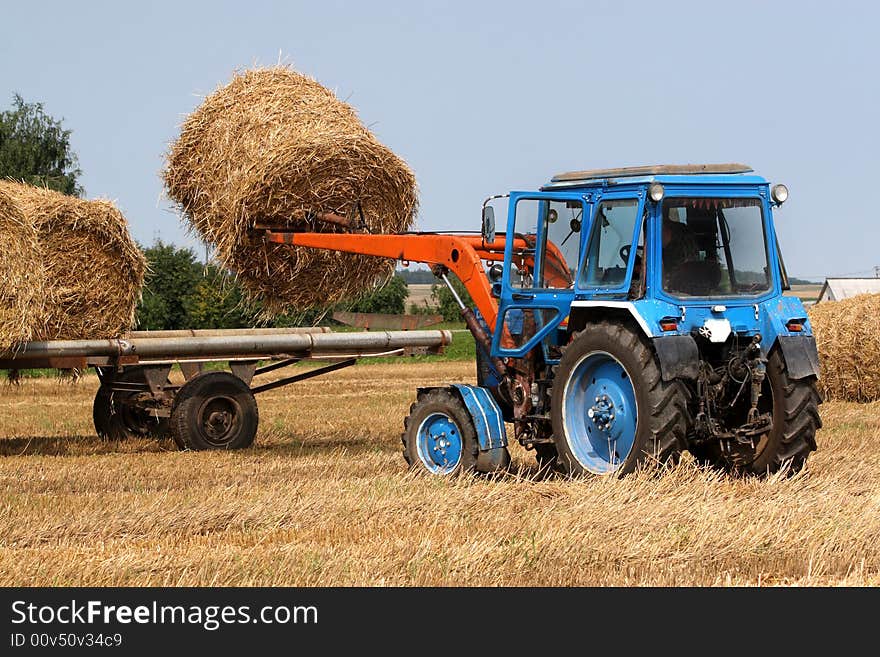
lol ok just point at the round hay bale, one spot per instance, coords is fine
(93, 271)
(848, 337)
(21, 271)
(267, 148)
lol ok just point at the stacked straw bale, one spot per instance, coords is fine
(21, 274)
(81, 260)
(848, 337)
(267, 148)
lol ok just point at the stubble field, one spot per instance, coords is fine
(324, 498)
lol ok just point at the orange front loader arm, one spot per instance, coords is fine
(460, 254)
(556, 272)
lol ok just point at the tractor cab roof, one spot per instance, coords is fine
(668, 173)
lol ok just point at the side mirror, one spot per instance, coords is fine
(488, 229)
(495, 272)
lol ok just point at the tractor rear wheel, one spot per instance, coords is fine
(115, 416)
(214, 410)
(611, 409)
(792, 436)
(439, 436)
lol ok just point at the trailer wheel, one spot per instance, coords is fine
(439, 436)
(610, 407)
(214, 410)
(792, 436)
(116, 419)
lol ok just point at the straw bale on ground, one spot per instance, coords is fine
(848, 337)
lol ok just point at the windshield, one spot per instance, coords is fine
(714, 247)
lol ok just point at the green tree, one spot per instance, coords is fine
(446, 303)
(217, 302)
(389, 299)
(174, 275)
(152, 311)
(35, 148)
(424, 309)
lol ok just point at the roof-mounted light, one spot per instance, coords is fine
(779, 193)
(655, 192)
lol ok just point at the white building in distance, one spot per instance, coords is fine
(836, 289)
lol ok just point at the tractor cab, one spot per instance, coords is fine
(668, 245)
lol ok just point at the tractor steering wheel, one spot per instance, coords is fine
(624, 252)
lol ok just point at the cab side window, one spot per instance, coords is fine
(610, 243)
(552, 263)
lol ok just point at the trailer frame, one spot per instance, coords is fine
(137, 397)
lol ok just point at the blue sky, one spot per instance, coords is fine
(481, 98)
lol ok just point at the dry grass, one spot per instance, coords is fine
(848, 337)
(81, 260)
(269, 147)
(324, 499)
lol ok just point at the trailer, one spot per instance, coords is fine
(211, 409)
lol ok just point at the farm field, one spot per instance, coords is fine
(420, 295)
(807, 293)
(324, 498)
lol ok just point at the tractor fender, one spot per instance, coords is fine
(485, 414)
(800, 354)
(624, 306)
(679, 357)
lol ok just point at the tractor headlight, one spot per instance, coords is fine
(779, 193)
(655, 192)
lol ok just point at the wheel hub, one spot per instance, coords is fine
(602, 412)
(439, 443)
(218, 423)
(599, 412)
(219, 419)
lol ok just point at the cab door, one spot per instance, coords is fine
(545, 236)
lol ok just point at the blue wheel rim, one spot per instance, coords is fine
(439, 443)
(600, 415)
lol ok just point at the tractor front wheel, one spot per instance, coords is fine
(439, 436)
(610, 407)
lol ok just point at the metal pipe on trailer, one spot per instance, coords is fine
(204, 333)
(304, 345)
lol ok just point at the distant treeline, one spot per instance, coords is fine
(417, 276)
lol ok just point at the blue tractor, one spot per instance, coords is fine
(636, 314)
